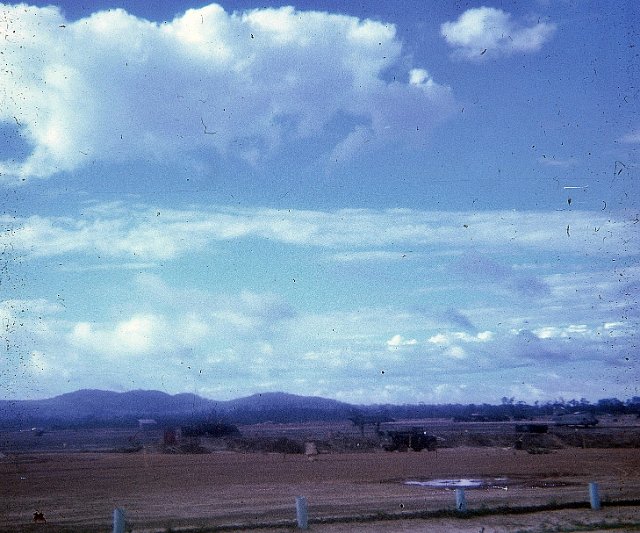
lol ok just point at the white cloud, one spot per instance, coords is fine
(446, 339)
(566, 332)
(398, 341)
(484, 336)
(139, 335)
(142, 334)
(456, 352)
(485, 31)
(351, 145)
(450, 344)
(114, 87)
(373, 255)
(553, 161)
(632, 137)
(139, 234)
(526, 392)
(447, 393)
(418, 77)
(440, 339)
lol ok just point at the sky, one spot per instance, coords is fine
(377, 202)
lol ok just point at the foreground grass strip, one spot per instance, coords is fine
(414, 515)
(580, 527)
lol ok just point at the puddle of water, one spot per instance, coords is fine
(463, 483)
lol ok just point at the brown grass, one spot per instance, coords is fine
(78, 492)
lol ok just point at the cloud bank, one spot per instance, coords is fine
(114, 87)
(226, 345)
(142, 233)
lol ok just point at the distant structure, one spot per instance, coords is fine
(310, 450)
(361, 420)
(147, 423)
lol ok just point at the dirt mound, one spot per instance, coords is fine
(538, 443)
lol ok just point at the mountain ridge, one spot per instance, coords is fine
(103, 405)
(100, 408)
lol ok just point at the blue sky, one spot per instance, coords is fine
(378, 202)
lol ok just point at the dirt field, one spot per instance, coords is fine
(349, 492)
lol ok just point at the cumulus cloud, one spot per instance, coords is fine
(485, 31)
(174, 332)
(138, 335)
(115, 87)
(450, 344)
(398, 341)
(567, 332)
(143, 334)
(448, 338)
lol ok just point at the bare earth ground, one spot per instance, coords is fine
(78, 491)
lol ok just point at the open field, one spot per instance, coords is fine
(78, 491)
(77, 477)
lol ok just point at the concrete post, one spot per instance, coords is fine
(302, 512)
(119, 521)
(594, 497)
(461, 502)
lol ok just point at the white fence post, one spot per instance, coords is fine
(302, 512)
(119, 521)
(461, 502)
(594, 497)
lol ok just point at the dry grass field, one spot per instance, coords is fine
(350, 486)
(351, 491)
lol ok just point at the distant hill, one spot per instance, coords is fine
(98, 407)
(101, 406)
(282, 407)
